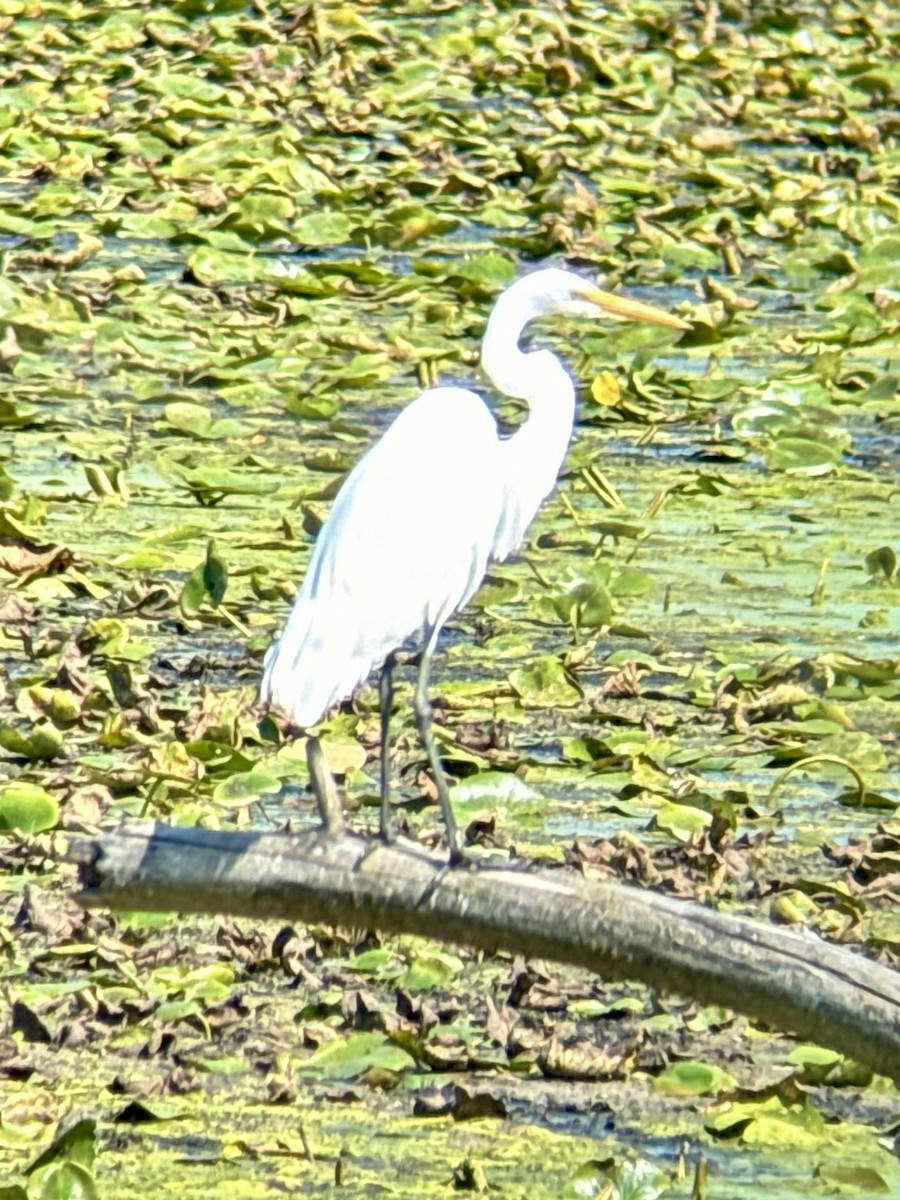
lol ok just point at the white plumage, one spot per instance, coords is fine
(392, 560)
(418, 519)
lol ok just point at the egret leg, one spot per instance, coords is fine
(422, 710)
(386, 700)
(323, 788)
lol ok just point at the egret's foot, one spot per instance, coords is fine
(455, 846)
(387, 833)
(457, 856)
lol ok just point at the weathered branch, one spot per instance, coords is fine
(792, 981)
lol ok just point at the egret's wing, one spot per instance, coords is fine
(406, 542)
(516, 514)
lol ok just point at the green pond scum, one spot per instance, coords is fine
(236, 238)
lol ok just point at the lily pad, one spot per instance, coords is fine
(239, 790)
(42, 741)
(493, 787)
(322, 229)
(801, 456)
(27, 808)
(199, 422)
(693, 1079)
(544, 683)
(347, 1058)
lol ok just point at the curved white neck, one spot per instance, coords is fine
(535, 452)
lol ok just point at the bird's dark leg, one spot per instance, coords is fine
(323, 789)
(422, 710)
(386, 700)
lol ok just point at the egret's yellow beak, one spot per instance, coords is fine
(626, 309)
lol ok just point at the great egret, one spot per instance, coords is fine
(417, 520)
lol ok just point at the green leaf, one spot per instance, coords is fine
(42, 742)
(219, 757)
(496, 589)
(176, 1010)
(210, 485)
(769, 1123)
(193, 593)
(632, 582)
(630, 1179)
(225, 1064)
(26, 808)
(17, 413)
(815, 1056)
(191, 87)
(218, 482)
(493, 787)
(67, 1181)
(409, 223)
(76, 1144)
(492, 269)
(592, 1009)
(693, 1079)
(682, 821)
(372, 962)
(343, 755)
(429, 971)
(322, 229)
(802, 456)
(262, 215)
(237, 791)
(206, 8)
(848, 1180)
(350, 1057)
(213, 266)
(60, 705)
(878, 262)
(544, 684)
(12, 1191)
(587, 602)
(7, 485)
(197, 420)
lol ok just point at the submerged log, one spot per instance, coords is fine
(791, 981)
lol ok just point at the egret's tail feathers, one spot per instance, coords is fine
(303, 677)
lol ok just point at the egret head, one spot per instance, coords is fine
(542, 293)
(553, 290)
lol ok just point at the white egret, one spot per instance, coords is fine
(419, 518)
